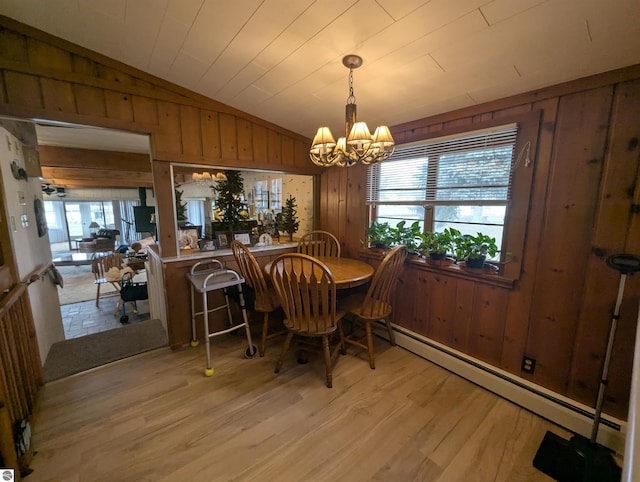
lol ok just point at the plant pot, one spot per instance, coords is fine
(440, 262)
(437, 256)
(475, 263)
(378, 245)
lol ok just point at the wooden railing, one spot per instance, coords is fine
(20, 365)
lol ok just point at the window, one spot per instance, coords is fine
(461, 181)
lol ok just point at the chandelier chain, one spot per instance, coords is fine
(352, 98)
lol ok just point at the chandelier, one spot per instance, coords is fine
(206, 178)
(358, 145)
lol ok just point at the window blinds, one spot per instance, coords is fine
(472, 168)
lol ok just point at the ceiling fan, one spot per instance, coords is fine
(48, 189)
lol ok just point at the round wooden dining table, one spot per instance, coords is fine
(347, 272)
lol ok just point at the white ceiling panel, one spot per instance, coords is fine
(167, 44)
(186, 70)
(499, 10)
(113, 8)
(281, 59)
(401, 8)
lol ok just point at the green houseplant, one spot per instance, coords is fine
(379, 235)
(474, 250)
(411, 236)
(439, 244)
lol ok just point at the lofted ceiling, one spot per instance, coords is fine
(280, 60)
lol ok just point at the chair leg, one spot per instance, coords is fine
(327, 360)
(392, 338)
(98, 296)
(265, 329)
(285, 348)
(372, 362)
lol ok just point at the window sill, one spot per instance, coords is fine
(450, 270)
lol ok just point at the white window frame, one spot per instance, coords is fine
(520, 185)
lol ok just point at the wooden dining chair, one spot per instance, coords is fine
(376, 304)
(307, 293)
(100, 265)
(266, 299)
(319, 243)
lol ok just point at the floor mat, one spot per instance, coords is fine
(79, 354)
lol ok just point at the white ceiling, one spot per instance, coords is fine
(280, 60)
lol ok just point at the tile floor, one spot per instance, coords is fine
(80, 319)
(84, 318)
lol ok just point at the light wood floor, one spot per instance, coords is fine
(155, 417)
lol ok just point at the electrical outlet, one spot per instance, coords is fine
(528, 364)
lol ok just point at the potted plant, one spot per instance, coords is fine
(411, 236)
(439, 244)
(474, 250)
(379, 235)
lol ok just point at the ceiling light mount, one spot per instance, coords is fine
(358, 145)
(352, 61)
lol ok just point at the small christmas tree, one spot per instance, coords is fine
(229, 201)
(181, 209)
(286, 220)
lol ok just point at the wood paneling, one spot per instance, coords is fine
(190, 130)
(23, 90)
(441, 297)
(260, 146)
(72, 167)
(58, 95)
(90, 101)
(96, 178)
(584, 182)
(169, 139)
(619, 182)
(562, 266)
(54, 156)
(210, 134)
(273, 145)
(228, 136)
(145, 110)
(118, 106)
(245, 141)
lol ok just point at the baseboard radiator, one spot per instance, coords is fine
(563, 411)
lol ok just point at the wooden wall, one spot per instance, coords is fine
(47, 78)
(583, 207)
